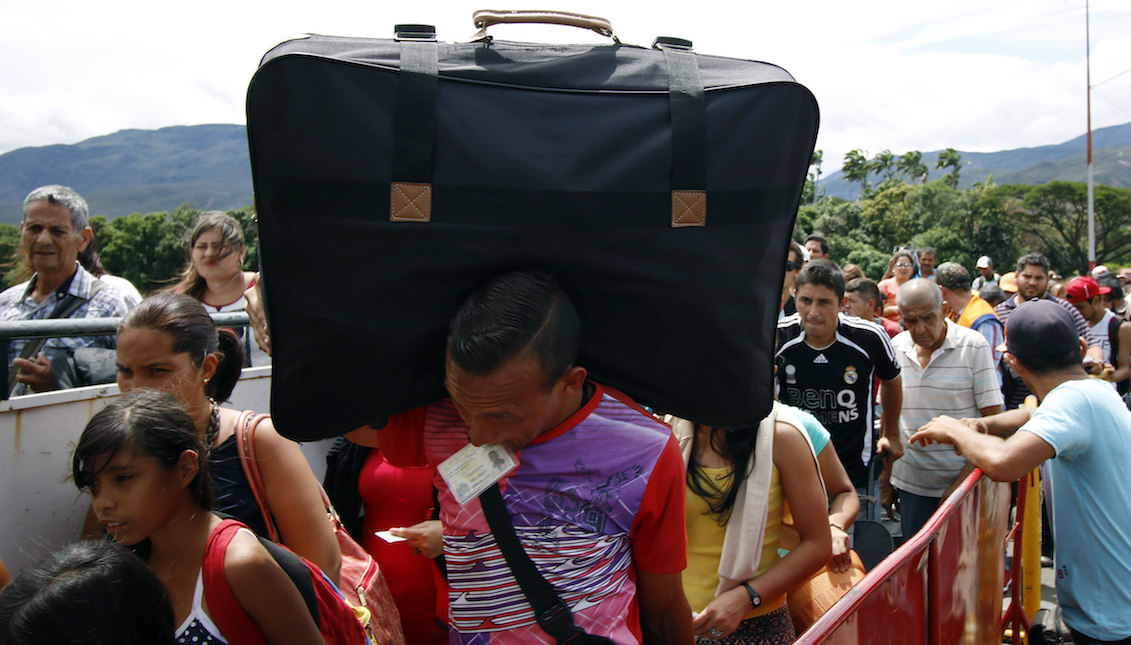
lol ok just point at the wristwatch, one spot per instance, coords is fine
(755, 599)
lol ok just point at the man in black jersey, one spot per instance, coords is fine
(826, 363)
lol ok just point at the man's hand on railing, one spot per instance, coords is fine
(36, 375)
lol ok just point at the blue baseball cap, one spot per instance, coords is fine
(1040, 328)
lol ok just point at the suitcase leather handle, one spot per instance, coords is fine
(484, 18)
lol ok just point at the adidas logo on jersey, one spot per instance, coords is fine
(820, 360)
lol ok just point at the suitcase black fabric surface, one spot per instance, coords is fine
(553, 157)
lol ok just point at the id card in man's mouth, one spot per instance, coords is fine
(471, 470)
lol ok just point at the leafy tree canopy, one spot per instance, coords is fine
(1003, 222)
(149, 250)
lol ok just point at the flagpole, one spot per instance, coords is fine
(1091, 183)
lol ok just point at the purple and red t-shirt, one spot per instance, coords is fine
(593, 501)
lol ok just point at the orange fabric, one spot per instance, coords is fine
(816, 595)
(974, 310)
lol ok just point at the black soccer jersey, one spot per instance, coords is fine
(835, 383)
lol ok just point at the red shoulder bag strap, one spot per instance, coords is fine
(245, 444)
(223, 607)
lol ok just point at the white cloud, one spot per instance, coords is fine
(887, 74)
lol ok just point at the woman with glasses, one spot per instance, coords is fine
(900, 269)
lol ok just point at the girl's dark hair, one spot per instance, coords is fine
(232, 239)
(193, 332)
(151, 421)
(87, 593)
(737, 446)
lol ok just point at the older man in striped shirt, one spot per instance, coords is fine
(947, 369)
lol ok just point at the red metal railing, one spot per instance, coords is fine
(943, 586)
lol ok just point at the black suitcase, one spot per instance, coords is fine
(391, 177)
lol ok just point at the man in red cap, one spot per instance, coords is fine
(1113, 334)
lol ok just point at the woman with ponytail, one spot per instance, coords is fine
(168, 342)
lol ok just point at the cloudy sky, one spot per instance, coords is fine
(975, 75)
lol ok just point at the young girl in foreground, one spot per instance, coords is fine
(168, 342)
(142, 462)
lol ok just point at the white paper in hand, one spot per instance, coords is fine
(389, 537)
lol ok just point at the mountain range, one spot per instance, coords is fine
(1111, 164)
(136, 171)
(207, 166)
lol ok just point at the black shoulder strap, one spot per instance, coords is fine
(63, 309)
(296, 570)
(1113, 338)
(1113, 326)
(551, 612)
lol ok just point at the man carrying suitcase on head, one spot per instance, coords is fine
(596, 499)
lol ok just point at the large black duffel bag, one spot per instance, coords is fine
(391, 177)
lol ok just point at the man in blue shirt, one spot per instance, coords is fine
(1083, 430)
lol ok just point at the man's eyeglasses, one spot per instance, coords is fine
(792, 266)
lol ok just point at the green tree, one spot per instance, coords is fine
(813, 191)
(1054, 217)
(960, 224)
(910, 165)
(950, 158)
(13, 266)
(883, 163)
(856, 168)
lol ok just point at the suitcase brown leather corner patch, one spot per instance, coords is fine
(411, 202)
(689, 208)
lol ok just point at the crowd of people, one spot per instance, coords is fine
(534, 504)
(964, 356)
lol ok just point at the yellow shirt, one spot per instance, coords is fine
(705, 545)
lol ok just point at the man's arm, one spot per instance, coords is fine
(1003, 460)
(1123, 372)
(988, 411)
(659, 552)
(665, 616)
(891, 395)
(1003, 424)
